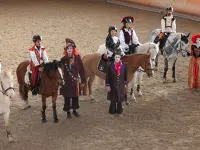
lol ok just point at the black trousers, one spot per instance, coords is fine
(71, 103)
(163, 40)
(115, 108)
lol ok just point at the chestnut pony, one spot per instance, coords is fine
(51, 78)
(133, 61)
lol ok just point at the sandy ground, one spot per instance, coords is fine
(165, 118)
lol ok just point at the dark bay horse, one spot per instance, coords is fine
(51, 78)
(90, 63)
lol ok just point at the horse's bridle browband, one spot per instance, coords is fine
(4, 91)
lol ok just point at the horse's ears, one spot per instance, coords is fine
(188, 35)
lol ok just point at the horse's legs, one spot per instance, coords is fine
(90, 82)
(156, 62)
(6, 119)
(132, 86)
(85, 88)
(140, 76)
(54, 109)
(43, 109)
(165, 70)
(23, 89)
(173, 71)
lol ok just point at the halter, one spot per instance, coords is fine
(181, 49)
(4, 91)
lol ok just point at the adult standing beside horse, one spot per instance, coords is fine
(73, 68)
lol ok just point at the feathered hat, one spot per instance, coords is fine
(127, 19)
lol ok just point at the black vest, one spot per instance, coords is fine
(127, 36)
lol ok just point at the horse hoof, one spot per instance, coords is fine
(26, 107)
(44, 120)
(174, 80)
(127, 103)
(133, 98)
(140, 94)
(156, 69)
(91, 97)
(56, 121)
(164, 80)
(11, 140)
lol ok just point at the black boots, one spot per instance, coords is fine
(75, 113)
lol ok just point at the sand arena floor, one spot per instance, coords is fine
(165, 118)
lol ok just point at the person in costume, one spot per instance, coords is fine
(112, 42)
(38, 59)
(68, 40)
(72, 70)
(128, 38)
(116, 81)
(168, 26)
(194, 66)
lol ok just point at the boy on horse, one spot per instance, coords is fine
(112, 42)
(116, 81)
(128, 38)
(168, 26)
(38, 59)
(72, 70)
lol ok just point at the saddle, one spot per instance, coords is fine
(28, 77)
(103, 62)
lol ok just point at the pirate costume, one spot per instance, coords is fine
(168, 26)
(116, 80)
(70, 91)
(38, 59)
(128, 38)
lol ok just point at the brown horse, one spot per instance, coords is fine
(51, 78)
(90, 63)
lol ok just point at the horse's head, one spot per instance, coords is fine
(184, 42)
(55, 71)
(153, 49)
(147, 65)
(6, 84)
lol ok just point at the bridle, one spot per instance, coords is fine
(4, 91)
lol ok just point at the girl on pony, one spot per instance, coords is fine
(128, 38)
(194, 66)
(116, 81)
(112, 42)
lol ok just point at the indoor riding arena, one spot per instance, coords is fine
(166, 117)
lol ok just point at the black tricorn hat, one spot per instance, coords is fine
(127, 19)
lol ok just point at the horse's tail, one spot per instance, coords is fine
(20, 73)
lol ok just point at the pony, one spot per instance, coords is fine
(133, 61)
(176, 42)
(138, 75)
(6, 93)
(51, 78)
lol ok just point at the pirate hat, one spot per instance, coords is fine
(68, 40)
(194, 38)
(127, 19)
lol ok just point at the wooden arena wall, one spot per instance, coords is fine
(187, 7)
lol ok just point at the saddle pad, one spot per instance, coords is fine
(102, 65)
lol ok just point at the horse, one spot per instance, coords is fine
(6, 93)
(175, 43)
(133, 61)
(51, 78)
(138, 75)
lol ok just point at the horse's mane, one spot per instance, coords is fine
(51, 66)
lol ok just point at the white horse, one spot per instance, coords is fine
(137, 78)
(6, 92)
(176, 42)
